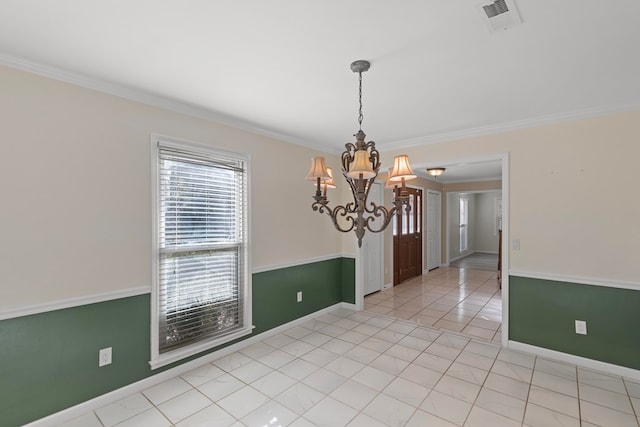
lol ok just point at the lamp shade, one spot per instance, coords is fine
(361, 165)
(330, 183)
(318, 170)
(401, 169)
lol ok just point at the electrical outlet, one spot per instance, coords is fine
(299, 296)
(581, 327)
(104, 357)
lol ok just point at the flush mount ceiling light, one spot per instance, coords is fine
(435, 171)
(360, 166)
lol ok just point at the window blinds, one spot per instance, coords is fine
(201, 242)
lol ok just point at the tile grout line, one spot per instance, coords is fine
(636, 414)
(526, 402)
(578, 393)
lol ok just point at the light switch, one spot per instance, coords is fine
(515, 245)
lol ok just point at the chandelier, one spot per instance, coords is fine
(360, 166)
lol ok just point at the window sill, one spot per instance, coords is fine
(160, 360)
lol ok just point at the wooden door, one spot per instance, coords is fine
(407, 240)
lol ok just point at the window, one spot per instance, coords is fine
(201, 292)
(464, 224)
(497, 212)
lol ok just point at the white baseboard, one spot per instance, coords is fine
(346, 305)
(457, 258)
(577, 360)
(426, 271)
(113, 396)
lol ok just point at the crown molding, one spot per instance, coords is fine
(510, 126)
(174, 105)
(148, 98)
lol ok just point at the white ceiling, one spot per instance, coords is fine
(281, 67)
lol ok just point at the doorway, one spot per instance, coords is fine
(500, 307)
(407, 239)
(472, 224)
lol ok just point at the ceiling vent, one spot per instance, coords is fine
(499, 14)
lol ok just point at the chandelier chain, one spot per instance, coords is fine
(360, 116)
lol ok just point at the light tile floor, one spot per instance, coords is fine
(361, 369)
(454, 299)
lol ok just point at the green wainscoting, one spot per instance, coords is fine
(542, 313)
(320, 283)
(349, 280)
(49, 361)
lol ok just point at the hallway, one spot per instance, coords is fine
(477, 261)
(455, 299)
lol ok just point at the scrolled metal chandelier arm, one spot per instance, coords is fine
(338, 211)
(378, 212)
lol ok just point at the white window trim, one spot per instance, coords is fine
(157, 359)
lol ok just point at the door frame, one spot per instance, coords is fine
(359, 270)
(439, 225)
(377, 243)
(504, 158)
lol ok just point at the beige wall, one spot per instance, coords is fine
(76, 183)
(76, 191)
(573, 193)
